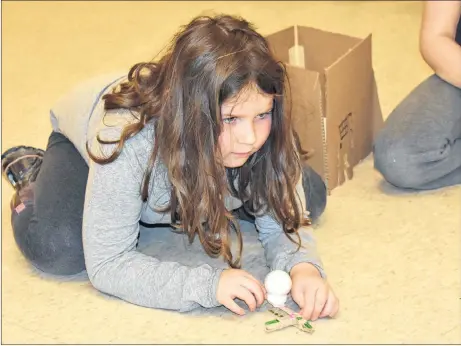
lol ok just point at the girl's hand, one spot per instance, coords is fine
(237, 283)
(312, 293)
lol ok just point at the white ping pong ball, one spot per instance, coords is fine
(278, 282)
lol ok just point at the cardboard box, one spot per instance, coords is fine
(333, 97)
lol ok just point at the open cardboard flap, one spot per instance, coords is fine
(333, 95)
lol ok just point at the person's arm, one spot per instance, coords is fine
(110, 232)
(280, 250)
(437, 39)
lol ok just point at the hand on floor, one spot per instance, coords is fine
(237, 283)
(312, 293)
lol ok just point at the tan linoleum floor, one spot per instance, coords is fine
(393, 257)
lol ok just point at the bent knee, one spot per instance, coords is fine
(396, 166)
(63, 265)
(53, 252)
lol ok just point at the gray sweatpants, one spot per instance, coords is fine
(420, 144)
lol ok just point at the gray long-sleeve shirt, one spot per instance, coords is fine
(113, 209)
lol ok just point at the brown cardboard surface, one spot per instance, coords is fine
(335, 109)
(306, 113)
(281, 42)
(348, 112)
(323, 48)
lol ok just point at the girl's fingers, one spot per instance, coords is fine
(298, 297)
(255, 289)
(232, 306)
(331, 307)
(335, 308)
(251, 277)
(309, 303)
(320, 302)
(247, 296)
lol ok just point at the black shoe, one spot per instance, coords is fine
(21, 164)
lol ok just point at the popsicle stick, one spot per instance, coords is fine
(291, 319)
(277, 324)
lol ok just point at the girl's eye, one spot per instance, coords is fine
(230, 120)
(264, 115)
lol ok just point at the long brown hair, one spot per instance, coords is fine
(209, 61)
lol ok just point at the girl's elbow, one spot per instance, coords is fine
(426, 49)
(95, 278)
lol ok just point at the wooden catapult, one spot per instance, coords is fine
(286, 317)
(278, 285)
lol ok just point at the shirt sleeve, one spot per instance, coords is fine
(279, 250)
(110, 232)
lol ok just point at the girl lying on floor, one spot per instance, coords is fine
(197, 140)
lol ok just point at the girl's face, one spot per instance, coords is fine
(247, 121)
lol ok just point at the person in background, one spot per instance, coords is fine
(420, 144)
